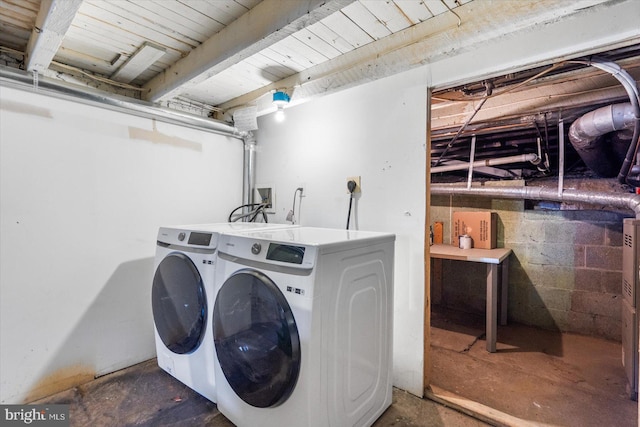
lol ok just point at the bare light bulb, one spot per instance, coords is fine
(280, 114)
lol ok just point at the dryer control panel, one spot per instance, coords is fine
(278, 253)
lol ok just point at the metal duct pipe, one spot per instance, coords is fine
(626, 174)
(624, 201)
(586, 135)
(533, 158)
(46, 86)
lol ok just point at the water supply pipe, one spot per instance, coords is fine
(533, 158)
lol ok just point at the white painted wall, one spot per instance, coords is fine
(378, 130)
(83, 191)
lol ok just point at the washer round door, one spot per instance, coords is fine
(179, 304)
(256, 339)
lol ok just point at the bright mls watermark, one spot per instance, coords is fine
(34, 415)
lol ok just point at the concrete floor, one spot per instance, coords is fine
(144, 395)
(535, 378)
(535, 375)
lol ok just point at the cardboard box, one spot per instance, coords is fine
(481, 226)
(438, 229)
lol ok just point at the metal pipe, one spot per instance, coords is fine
(471, 160)
(489, 90)
(561, 155)
(250, 167)
(593, 124)
(624, 201)
(630, 86)
(63, 90)
(585, 135)
(533, 158)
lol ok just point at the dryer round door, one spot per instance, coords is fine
(256, 339)
(179, 303)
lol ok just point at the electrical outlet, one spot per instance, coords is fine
(357, 181)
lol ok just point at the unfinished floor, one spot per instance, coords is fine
(536, 377)
(145, 395)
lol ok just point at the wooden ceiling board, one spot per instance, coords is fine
(294, 48)
(322, 31)
(334, 49)
(349, 31)
(179, 19)
(247, 74)
(12, 39)
(366, 20)
(84, 61)
(249, 4)
(17, 19)
(222, 11)
(388, 14)
(415, 10)
(119, 21)
(272, 70)
(101, 34)
(323, 47)
(283, 60)
(436, 7)
(227, 86)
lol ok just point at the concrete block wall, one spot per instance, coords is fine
(565, 271)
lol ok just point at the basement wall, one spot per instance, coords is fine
(83, 191)
(376, 131)
(565, 272)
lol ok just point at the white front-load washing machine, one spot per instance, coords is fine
(302, 326)
(182, 299)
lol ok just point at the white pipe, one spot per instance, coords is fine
(533, 158)
(471, 160)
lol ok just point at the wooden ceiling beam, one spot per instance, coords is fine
(267, 23)
(52, 23)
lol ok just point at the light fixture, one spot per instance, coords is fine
(280, 99)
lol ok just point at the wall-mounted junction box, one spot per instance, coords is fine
(266, 194)
(357, 181)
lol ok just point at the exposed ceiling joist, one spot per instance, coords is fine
(52, 23)
(411, 47)
(267, 23)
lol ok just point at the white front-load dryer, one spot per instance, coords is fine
(302, 326)
(182, 300)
